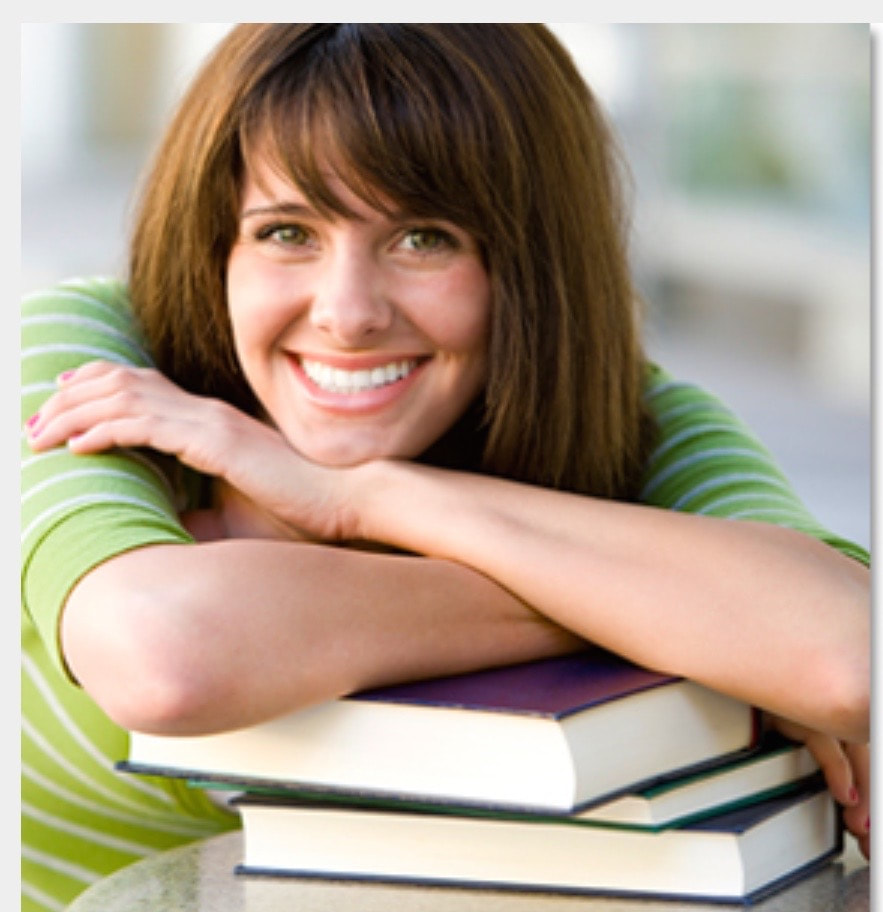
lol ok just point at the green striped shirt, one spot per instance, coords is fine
(707, 461)
(82, 819)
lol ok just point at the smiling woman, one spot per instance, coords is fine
(426, 122)
(371, 308)
(362, 336)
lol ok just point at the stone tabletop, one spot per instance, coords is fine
(200, 878)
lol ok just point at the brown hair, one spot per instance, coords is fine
(487, 125)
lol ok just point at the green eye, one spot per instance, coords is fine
(428, 240)
(289, 235)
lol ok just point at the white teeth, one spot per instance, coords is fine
(336, 380)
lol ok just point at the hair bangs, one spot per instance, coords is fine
(355, 108)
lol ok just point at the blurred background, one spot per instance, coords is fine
(750, 155)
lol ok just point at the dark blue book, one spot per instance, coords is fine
(735, 857)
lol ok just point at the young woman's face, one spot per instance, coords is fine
(362, 338)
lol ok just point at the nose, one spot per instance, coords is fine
(350, 301)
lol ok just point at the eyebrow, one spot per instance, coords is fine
(301, 210)
(276, 209)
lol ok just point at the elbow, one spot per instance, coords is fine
(837, 670)
(844, 690)
(138, 664)
(847, 665)
(159, 696)
(852, 712)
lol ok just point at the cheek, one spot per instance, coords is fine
(462, 327)
(240, 290)
(256, 301)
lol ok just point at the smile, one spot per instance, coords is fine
(344, 382)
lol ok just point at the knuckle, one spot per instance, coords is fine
(117, 376)
(125, 399)
(56, 402)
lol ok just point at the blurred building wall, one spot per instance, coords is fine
(750, 150)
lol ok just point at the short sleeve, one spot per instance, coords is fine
(78, 511)
(707, 461)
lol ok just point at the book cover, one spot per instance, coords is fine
(547, 736)
(552, 688)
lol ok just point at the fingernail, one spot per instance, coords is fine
(867, 824)
(66, 375)
(853, 795)
(33, 420)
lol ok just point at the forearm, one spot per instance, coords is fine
(207, 637)
(762, 613)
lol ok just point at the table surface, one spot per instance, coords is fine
(199, 878)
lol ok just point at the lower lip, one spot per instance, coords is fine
(362, 402)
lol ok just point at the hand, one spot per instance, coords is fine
(847, 770)
(101, 405)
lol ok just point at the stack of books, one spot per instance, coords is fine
(580, 774)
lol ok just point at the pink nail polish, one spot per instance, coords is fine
(66, 375)
(32, 420)
(853, 794)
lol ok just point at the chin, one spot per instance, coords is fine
(343, 456)
(355, 448)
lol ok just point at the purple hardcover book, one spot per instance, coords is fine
(553, 687)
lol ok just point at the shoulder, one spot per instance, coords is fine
(686, 414)
(102, 296)
(81, 319)
(702, 449)
(706, 460)
(670, 399)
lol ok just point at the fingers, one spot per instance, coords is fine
(830, 756)
(847, 771)
(101, 406)
(836, 767)
(857, 817)
(87, 399)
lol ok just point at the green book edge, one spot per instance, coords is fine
(318, 797)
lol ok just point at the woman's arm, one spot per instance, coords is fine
(222, 634)
(766, 614)
(763, 613)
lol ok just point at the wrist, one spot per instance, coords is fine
(362, 490)
(403, 504)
